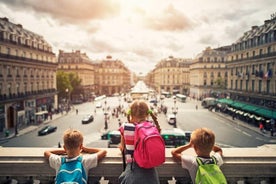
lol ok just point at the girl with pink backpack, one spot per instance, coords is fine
(133, 172)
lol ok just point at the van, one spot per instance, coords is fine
(208, 102)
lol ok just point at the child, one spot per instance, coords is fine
(203, 142)
(73, 147)
(133, 174)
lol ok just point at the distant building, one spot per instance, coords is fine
(82, 65)
(112, 76)
(27, 76)
(170, 75)
(208, 73)
(101, 77)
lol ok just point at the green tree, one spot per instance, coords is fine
(75, 81)
(64, 86)
(220, 83)
(67, 84)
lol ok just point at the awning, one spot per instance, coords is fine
(258, 110)
(250, 108)
(225, 101)
(238, 105)
(266, 113)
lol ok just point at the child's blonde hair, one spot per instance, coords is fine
(72, 139)
(203, 139)
(140, 110)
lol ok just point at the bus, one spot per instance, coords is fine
(181, 98)
(166, 94)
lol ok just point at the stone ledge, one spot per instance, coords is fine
(254, 163)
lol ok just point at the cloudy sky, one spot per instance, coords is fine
(138, 32)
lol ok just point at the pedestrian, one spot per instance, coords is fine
(133, 174)
(77, 111)
(196, 107)
(203, 142)
(272, 126)
(73, 152)
(261, 127)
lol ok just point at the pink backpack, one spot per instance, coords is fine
(149, 149)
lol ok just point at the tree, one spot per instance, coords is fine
(67, 83)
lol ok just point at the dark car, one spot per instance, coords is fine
(114, 137)
(174, 137)
(47, 129)
(87, 119)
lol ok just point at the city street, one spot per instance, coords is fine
(228, 134)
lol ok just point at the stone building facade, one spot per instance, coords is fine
(112, 76)
(79, 63)
(252, 66)
(99, 77)
(171, 75)
(27, 76)
(208, 73)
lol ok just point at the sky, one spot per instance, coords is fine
(140, 33)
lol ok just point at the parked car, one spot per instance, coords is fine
(171, 118)
(46, 130)
(87, 119)
(187, 135)
(174, 137)
(114, 137)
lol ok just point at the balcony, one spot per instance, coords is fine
(241, 165)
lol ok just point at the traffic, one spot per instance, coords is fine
(176, 118)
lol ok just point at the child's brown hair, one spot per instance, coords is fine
(140, 110)
(203, 139)
(72, 139)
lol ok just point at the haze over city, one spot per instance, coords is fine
(138, 32)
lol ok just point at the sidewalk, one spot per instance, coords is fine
(27, 128)
(247, 125)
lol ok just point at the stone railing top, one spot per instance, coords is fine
(238, 162)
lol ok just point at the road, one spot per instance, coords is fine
(228, 134)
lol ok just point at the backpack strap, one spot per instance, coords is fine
(200, 162)
(63, 159)
(214, 159)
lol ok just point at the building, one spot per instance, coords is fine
(79, 63)
(252, 66)
(111, 77)
(208, 73)
(171, 75)
(27, 76)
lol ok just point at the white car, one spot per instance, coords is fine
(171, 118)
(99, 105)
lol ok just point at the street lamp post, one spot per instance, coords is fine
(105, 116)
(174, 108)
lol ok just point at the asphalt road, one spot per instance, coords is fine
(228, 134)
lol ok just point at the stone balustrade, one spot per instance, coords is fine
(241, 165)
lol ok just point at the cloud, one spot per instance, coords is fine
(170, 19)
(69, 11)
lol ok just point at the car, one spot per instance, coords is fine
(188, 135)
(174, 137)
(47, 129)
(113, 137)
(171, 118)
(87, 119)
